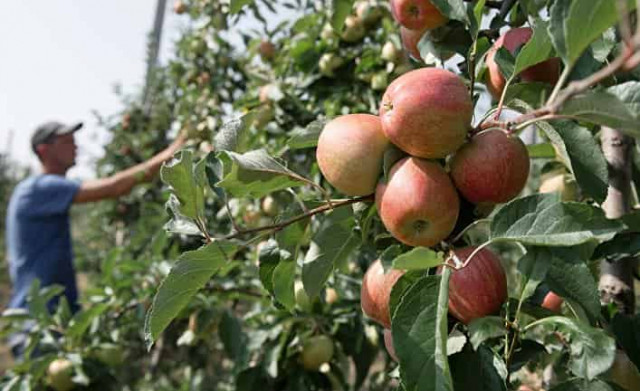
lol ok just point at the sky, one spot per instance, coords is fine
(60, 60)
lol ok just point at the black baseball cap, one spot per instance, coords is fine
(46, 132)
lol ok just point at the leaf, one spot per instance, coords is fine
(418, 258)
(587, 160)
(452, 9)
(505, 61)
(389, 255)
(536, 50)
(237, 5)
(256, 174)
(483, 329)
(541, 151)
(81, 321)
(268, 259)
(419, 329)
(233, 338)
(585, 385)
(476, 370)
(341, 9)
(284, 276)
(623, 245)
(591, 350)
(234, 135)
(179, 175)
(559, 13)
(626, 329)
(602, 108)
(534, 94)
(400, 288)
(334, 241)
(541, 220)
(533, 269)
(192, 271)
(306, 137)
(629, 94)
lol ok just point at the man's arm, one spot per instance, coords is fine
(122, 182)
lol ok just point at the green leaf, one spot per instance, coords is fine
(237, 5)
(306, 137)
(591, 350)
(505, 61)
(541, 151)
(256, 174)
(483, 329)
(541, 220)
(268, 259)
(537, 50)
(334, 242)
(602, 108)
(81, 321)
(341, 9)
(400, 288)
(419, 329)
(388, 255)
(587, 160)
(452, 9)
(233, 338)
(533, 269)
(180, 176)
(418, 258)
(192, 271)
(534, 94)
(629, 94)
(623, 245)
(476, 370)
(284, 276)
(234, 135)
(559, 13)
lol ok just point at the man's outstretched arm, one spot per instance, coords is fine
(122, 182)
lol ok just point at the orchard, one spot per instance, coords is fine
(376, 195)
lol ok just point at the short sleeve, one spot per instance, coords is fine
(52, 195)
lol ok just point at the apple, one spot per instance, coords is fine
(350, 153)
(492, 168)
(427, 112)
(410, 39)
(379, 81)
(417, 14)
(623, 372)
(59, 374)
(316, 351)
(328, 63)
(388, 343)
(109, 354)
(376, 291)
(330, 296)
(547, 71)
(353, 29)
(390, 52)
(369, 12)
(267, 50)
(327, 33)
(552, 302)
(252, 217)
(264, 93)
(270, 206)
(418, 205)
(559, 182)
(480, 288)
(179, 7)
(303, 301)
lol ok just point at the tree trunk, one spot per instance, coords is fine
(616, 277)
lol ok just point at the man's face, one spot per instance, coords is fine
(63, 150)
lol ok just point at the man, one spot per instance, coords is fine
(38, 230)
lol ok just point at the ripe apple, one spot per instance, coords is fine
(353, 29)
(270, 206)
(410, 39)
(59, 374)
(480, 288)
(427, 112)
(369, 12)
(552, 302)
(418, 205)
(623, 372)
(376, 291)
(417, 14)
(390, 52)
(267, 50)
(492, 168)
(547, 71)
(316, 351)
(328, 63)
(388, 343)
(351, 151)
(559, 182)
(179, 7)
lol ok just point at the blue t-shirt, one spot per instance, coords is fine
(39, 237)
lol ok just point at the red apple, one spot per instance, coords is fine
(267, 51)
(418, 205)
(547, 71)
(427, 112)
(552, 302)
(376, 292)
(492, 168)
(410, 39)
(388, 343)
(480, 288)
(350, 153)
(417, 14)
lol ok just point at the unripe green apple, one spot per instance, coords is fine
(380, 81)
(492, 168)
(328, 33)
(427, 112)
(388, 343)
(547, 71)
(316, 351)
(353, 29)
(59, 374)
(328, 63)
(270, 206)
(417, 14)
(418, 205)
(369, 12)
(350, 153)
(376, 292)
(179, 7)
(390, 52)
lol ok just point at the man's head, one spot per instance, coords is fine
(54, 144)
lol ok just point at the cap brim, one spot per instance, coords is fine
(70, 128)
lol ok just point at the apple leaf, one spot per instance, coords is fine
(256, 174)
(284, 275)
(486, 328)
(541, 151)
(180, 175)
(306, 137)
(419, 329)
(602, 108)
(591, 351)
(192, 271)
(234, 135)
(534, 94)
(268, 258)
(400, 288)
(341, 9)
(586, 385)
(505, 61)
(541, 220)
(334, 241)
(418, 258)
(629, 94)
(533, 269)
(233, 339)
(477, 370)
(536, 50)
(237, 5)
(82, 320)
(453, 9)
(623, 245)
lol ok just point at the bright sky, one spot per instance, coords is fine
(60, 59)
